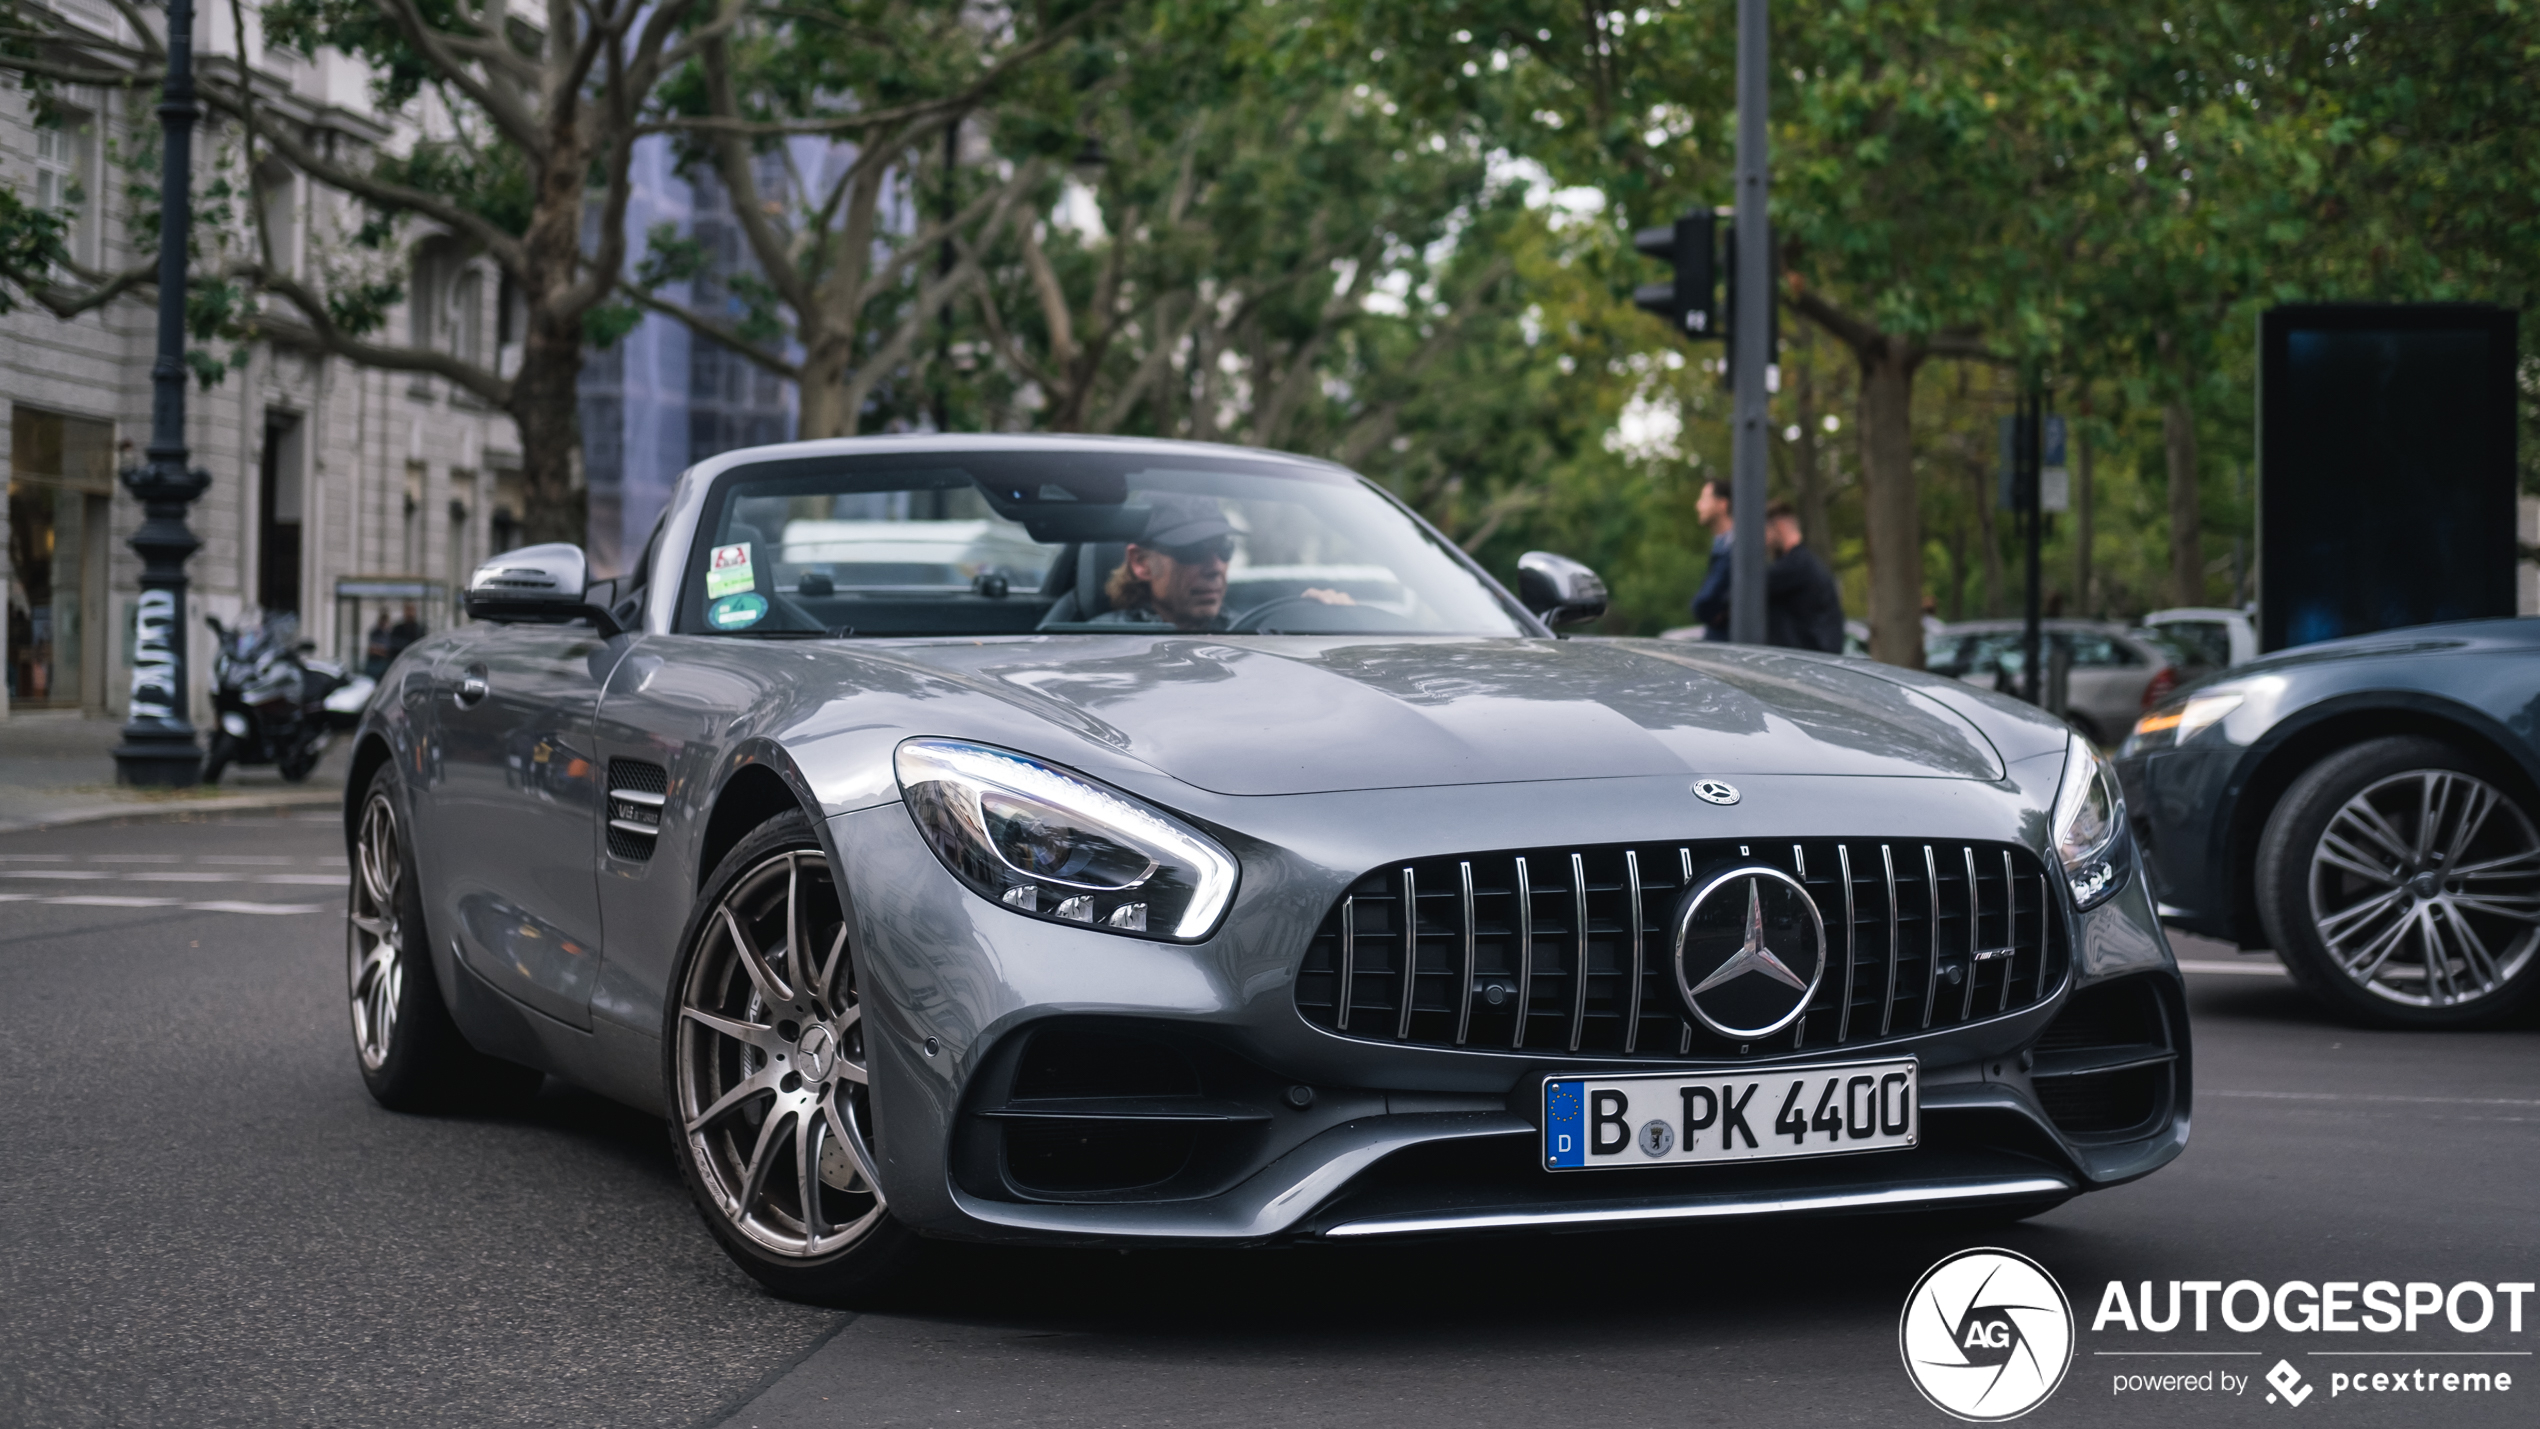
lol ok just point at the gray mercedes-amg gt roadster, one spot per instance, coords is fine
(1094, 841)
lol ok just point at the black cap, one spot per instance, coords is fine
(1183, 521)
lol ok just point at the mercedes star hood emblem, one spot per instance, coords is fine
(1750, 951)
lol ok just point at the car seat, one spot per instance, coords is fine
(1078, 579)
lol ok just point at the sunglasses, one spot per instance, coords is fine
(1220, 549)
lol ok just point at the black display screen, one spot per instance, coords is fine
(2386, 468)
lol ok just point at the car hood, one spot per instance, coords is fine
(1297, 715)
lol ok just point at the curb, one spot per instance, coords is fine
(222, 804)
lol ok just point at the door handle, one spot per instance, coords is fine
(471, 688)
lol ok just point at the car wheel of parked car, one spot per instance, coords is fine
(413, 1057)
(216, 758)
(2400, 879)
(771, 1108)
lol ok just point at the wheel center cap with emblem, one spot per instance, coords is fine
(1750, 951)
(819, 1051)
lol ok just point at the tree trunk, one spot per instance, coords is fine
(823, 394)
(2085, 606)
(2187, 544)
(546, 407)
(1892, 525)
(1958, 570)
(1981, 476)
(1808, 477)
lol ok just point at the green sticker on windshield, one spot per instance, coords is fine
(737, 612)
(728, 570)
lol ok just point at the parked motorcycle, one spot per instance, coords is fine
(273, 703)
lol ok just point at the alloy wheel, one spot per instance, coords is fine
(374, 931)
(770, 1065)
(2425, 889)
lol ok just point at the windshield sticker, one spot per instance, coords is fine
(730, 572)
(737, 612)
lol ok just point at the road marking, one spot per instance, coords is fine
(108, 900)
(138, 857)
(264, 859)
(2238, 969)
(101, 900)
(2373, 1097)
(233, 907)
(34, 858)
(94, 875)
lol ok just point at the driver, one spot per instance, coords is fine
(1175, 572)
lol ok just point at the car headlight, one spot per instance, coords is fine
(2177, 726)
(1058, 846)
(2089, 818)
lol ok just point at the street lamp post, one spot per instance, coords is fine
(1750, 337)
(158, 740)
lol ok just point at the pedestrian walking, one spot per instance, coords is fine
(1711, 602)
(1802, 608)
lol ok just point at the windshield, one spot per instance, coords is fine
(1069, 541)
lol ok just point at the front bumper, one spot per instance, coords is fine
(1398, 1140)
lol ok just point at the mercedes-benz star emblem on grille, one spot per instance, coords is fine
(1750, 951)
(1715, 791)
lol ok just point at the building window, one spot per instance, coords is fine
(467, 299)
(59, 485)
(278, 186)
(413, 554)
(60, 177)
(462, 561)
(281, 482)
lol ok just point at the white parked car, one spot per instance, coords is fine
(2210, 636)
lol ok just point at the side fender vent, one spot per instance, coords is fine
(637, 792)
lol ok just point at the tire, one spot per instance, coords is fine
(412, 1056)
(766, 1073)
(216, 759)
(2400, 880)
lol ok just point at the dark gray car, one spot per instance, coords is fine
(2366, 808)
(1102, 841)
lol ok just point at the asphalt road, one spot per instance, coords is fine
(204, 1220)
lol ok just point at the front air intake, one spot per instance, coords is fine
(2107, 1066)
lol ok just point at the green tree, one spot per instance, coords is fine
(841, 297)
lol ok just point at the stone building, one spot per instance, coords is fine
(327, 479)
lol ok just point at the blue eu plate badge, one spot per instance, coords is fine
(1564, 1130)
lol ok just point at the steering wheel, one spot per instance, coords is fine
(1328, 619)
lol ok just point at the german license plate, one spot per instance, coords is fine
(1673, 1119)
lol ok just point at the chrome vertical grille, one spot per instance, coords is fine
(1563, 951)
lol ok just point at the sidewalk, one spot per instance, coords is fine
(58, 768)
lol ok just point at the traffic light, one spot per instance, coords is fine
(1689, 304)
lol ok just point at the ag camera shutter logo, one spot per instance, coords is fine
(1987, 1335)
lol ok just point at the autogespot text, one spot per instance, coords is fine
(2476, 1358)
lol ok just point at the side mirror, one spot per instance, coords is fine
(539, 585)
(1559, 590)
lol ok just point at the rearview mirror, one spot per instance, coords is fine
(1560, 591)
(544, 585)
